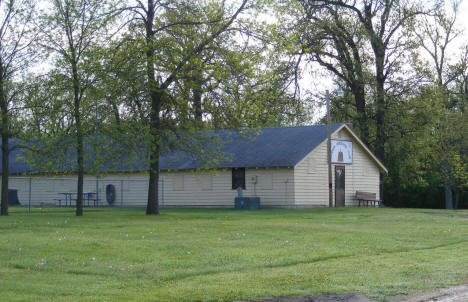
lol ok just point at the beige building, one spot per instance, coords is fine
(285, 167)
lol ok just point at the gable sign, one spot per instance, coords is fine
(341, 152)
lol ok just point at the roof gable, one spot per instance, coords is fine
(366, 149)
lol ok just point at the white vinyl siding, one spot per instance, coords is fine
(265, 181)
(206, 182)
(312, 168)
(134, 188)
(178, 182)
(274, 187)
(311, 189)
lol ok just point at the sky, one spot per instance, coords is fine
(464, 15)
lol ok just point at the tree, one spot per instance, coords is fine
(241, 86)
(337, 42)
(459, 71)
(381, 23)
(450, 150)
(437, 34)
(159, 25)
(16, 37)
(434, 35)
(72, 29)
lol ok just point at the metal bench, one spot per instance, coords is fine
(368, 199)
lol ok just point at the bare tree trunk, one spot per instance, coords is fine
(155, 94)
(5, 172)
(5, 147)
(379, 49)
(152, 207)
(79, 139)
(380, 116)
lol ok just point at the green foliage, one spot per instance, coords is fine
(16, 54)
(451, 148)
(407, 107)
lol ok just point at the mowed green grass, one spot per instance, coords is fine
(226, 255)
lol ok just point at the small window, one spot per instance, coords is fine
(178, 182)
(238, 178)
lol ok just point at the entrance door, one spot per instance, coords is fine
(339, 186)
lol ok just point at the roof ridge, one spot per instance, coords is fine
(276, 127)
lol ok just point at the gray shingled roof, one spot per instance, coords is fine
(272, 147)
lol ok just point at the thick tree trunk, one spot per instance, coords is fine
(79, 140)
(448, 197)
(152, 207)
(5, 173)
(5, 147)
(380, 100)
(379, 50)
(79, 150)
(155, 95)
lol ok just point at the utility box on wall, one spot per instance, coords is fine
(247, 203)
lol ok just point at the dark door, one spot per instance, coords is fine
(339, 186)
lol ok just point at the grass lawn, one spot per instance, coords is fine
(225, 255)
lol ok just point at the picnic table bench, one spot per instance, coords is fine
(368, 199)
(87, 198)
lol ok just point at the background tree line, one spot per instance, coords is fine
(403, 69)
(75, 71)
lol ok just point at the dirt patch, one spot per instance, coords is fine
(451, 294)
(321, 298)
